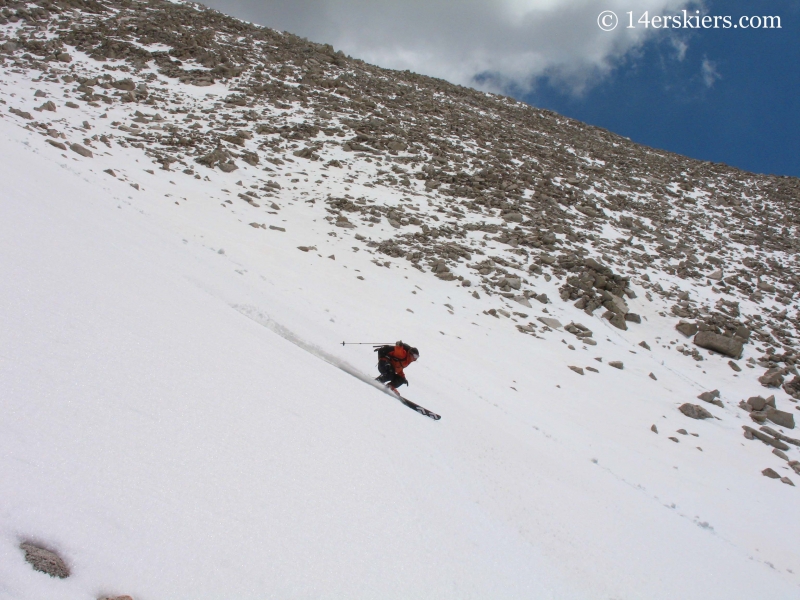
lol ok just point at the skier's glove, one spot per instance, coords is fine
(405, 381)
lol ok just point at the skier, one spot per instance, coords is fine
(391, 362)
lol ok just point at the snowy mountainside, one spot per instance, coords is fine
(197, 211)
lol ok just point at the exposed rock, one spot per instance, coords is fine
(772, 378)
(653, 428)
(687, 329)
(793, 387)
(693, 411)
(780, 454)
(719, 343)
(770, 473)
(765, 437)
(578, 370)
(779, 417)
(77, 148)
(550, 322)
(711, 397)
(778, 435)
(45, 560)
(756, 403)
(734, 366)
(617, 364)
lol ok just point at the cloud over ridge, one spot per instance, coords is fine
(490, 44)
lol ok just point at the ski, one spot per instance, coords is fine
(413, 405)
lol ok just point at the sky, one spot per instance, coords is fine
(725, 95)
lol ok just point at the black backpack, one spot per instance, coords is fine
(383, 351)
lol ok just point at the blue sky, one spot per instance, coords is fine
(743, 110)
(724, 95)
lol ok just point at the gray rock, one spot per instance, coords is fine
(617, 364)
(719, 343)
(772, 378)
(693, 411)
(770, 473)
(756, 403)
(780, 436)
(780, 417)
(686, 328)
(621, 307)
(616, 319)
(764, 437)
(126, 85)
(787, 481)
(550, 322)
(578, 370)
(77, 148)
(711, 397)
(45, 560)
(765, 287)
(734, 366)
(593, 264)
(522, 300)
(780, 454)
(654, 429)
(633, 318)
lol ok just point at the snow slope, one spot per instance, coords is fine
(180, 421)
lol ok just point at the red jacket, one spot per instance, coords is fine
(399, 357)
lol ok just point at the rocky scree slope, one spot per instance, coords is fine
(482, 191)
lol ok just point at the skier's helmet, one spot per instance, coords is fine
(414, 353)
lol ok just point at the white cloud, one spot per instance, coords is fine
(681, 47)
(709, 72)
(495, 44)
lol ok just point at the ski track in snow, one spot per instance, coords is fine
(256, 315)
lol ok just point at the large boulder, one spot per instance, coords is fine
(780, 417)
(719, 343)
